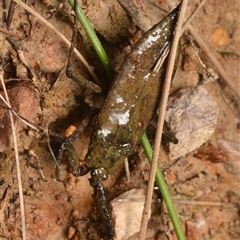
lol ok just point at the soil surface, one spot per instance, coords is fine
(204, 183)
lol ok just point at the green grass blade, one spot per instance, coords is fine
(164, 190)
(94, 40)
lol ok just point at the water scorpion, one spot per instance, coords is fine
(126, 113)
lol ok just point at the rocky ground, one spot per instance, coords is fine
(204, 183)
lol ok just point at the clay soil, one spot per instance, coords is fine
(205, 184)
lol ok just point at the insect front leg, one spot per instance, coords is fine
(68, 149)
(99, 196)
(70, 74)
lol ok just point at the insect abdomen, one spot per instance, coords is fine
(132, 100)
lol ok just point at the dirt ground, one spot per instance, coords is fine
(205, 183)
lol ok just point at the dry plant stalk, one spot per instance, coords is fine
(10, 33)
(226, 76)
(19, 178)
(162, 108)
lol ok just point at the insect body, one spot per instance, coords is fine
(131, 102)
(127, 111)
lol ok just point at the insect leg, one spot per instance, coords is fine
(100, 200)
(68, 149)
(59, 159)
(82, 81)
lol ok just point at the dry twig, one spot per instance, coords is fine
(162, 108)
(211, 55)
(3, 30)
(16, 160)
